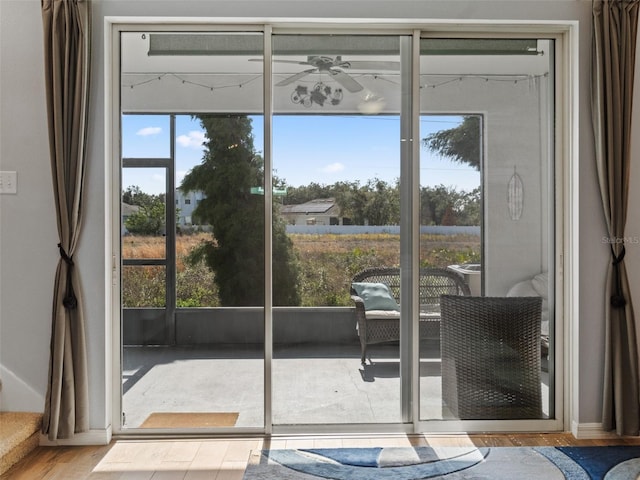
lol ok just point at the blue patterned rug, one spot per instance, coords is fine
(447, 463)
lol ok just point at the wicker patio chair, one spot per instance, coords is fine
(378, 327)
(491, 357)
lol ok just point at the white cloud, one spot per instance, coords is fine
(143, 132)
(333, 168)
(193, 139)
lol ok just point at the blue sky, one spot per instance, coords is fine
(320, 149)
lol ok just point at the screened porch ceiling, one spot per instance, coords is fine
(197, 72)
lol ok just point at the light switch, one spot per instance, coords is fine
(8, 182)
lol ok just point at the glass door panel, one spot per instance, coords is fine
(336, 163)
(193, 356)
(487, 196)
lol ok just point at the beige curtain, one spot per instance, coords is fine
(613, 61)
(66, 55)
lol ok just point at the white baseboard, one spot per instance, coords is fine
(92, 437)
(591, 431)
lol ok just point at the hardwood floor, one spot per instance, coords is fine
(226, 458)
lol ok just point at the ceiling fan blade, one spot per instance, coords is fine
(370, 65)
(295, 62)
(295, 77)
(346, 81)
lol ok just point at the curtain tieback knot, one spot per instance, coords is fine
(64, 256)
(69, 301)
(617, 300)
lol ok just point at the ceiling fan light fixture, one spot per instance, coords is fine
(319, 95)
(371, 104)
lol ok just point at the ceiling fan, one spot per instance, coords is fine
(335, 67)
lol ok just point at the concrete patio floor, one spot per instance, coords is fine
(312, 384)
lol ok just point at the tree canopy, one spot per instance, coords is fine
(460, 144)
(378, 202)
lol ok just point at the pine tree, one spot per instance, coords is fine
(229, 173)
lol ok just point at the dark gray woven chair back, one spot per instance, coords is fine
(434, 282)
(491, 357)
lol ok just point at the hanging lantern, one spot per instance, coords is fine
(515, 196)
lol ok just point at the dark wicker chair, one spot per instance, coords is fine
(434, 282)
(491, 357)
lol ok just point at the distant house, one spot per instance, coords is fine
(126, 211)
(186, 204)
(322, 211)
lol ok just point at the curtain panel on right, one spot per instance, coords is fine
(613, 62)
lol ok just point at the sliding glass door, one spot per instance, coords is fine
(297, 205)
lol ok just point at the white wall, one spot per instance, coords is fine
(28, 235)
(515, 122)
(28, 238)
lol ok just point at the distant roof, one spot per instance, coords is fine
(320, 205)
(129, 209)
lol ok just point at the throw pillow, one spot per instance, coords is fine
(376, 296)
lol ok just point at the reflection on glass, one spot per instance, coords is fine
(143, 286)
